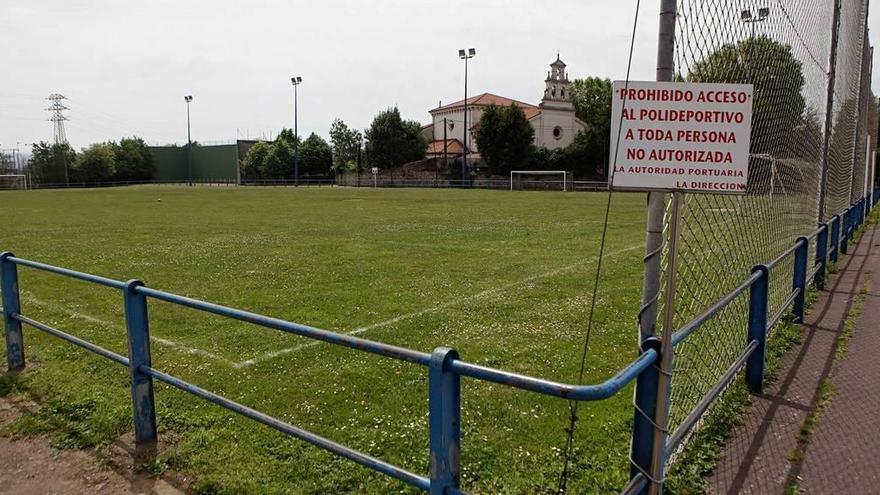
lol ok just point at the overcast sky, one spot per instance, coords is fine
(126, 65)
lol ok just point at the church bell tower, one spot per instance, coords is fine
(557, 91)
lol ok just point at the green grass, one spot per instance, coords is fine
(502, 277)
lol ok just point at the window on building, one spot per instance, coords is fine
(557, 132)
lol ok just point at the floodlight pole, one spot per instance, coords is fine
(296, 81)
(189, 179)
(465, 55)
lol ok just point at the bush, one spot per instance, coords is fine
(97, 163)
(133, 160)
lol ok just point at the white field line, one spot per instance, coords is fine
(91, 319)
(454, 302)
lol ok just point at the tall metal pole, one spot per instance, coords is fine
(651, 396)
(829, 109)
(188, 144)
(861, 101)
(295, 135)
(656, 206)
(464, 156)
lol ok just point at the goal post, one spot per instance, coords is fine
(517, 173)
(13, 181)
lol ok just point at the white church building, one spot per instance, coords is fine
(553, 118)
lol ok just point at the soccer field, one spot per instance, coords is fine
(503, 277)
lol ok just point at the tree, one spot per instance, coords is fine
(315, 156)
(778, 104)
(50, 163)
(592, 104)
(278, 163)
(288, 137)
(579, 157)
(392, 141)
(133, 160)
(96, 163)
(254, 161)
(6, 162)
(346, 144)
(504, 138)
(540, 158)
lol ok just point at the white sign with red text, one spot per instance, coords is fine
(680, 136)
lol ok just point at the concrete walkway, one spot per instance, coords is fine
(768, 453)
(841, 456)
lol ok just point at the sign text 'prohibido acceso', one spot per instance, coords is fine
(680, 136)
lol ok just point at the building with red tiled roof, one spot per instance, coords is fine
(553, 118)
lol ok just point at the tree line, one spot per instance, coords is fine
(389, 142)
(128, 160)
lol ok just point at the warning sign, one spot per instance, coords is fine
(680, 136)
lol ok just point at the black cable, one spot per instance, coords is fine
(573, 405)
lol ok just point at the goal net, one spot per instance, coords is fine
(13, 181)
(550, 180)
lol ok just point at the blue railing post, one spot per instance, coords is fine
(11, 306)
(821, 255)
(138, 329)
(645, 401)
(444, 421)
(757, 329)
(835, 238)
(844, 231)
(799, 278)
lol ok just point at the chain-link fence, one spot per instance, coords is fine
(806, 163)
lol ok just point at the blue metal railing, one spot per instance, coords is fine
(445, 368)
(444, 372)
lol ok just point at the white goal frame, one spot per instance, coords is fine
(23, 176)
(541, 172)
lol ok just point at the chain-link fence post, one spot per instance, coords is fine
(646, 397)
(829, 108)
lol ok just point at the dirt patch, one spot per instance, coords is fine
(32, 467)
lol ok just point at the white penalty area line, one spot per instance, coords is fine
(454, 302)
(104, 323)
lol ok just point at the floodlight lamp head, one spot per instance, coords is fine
(472, 52)
(746, 15)
(461, 54)
(763, 13)
(188, 98)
